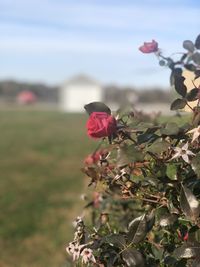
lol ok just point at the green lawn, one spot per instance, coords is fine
(41, 155)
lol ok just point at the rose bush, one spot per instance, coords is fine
(145, 211)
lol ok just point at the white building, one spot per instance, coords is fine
(77, 92)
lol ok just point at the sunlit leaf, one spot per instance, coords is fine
(187, 251)
(117, 240)
(159, 147)
(171, 171)
(189, 203)
(137, 229)
(171, 128)
(133, 258)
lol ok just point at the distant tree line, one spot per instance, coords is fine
(10, 89)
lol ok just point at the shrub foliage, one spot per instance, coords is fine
(146, 180)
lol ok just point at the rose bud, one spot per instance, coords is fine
(149, 47)
(101, 124)
(97, 198)
(92, 158)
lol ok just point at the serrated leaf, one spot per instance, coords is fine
(192, 95)
(197, 42)
(116, 240)
(179, 85)
(133, 258)
(189, 203)
(127, 154)
(159, 147)
(137, 229)
(196, 164)
(188, 45)
(178, 104)
(97, 107)
(187, 251)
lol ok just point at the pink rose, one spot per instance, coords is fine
(149, 47)
(101, 124)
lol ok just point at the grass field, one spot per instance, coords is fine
(41, 155)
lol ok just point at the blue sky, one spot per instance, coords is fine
(51, 40)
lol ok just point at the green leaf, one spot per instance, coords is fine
(171, 171)
(97, 107)
(180, 87)
(196, 164)
(190, 67)
(150, 220)
(127, 154)
(137, 229)
(188, 45)
(116, 240)
(167, 219)
(197, 42)
(133, 258)
(187, 251)
(192, 95)
(171, 128)
(196, 58)
(159, 147)
(178, 104)
(189, 203)
(146, 137)
(197, 74)
(175, 72)
(164, 217)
